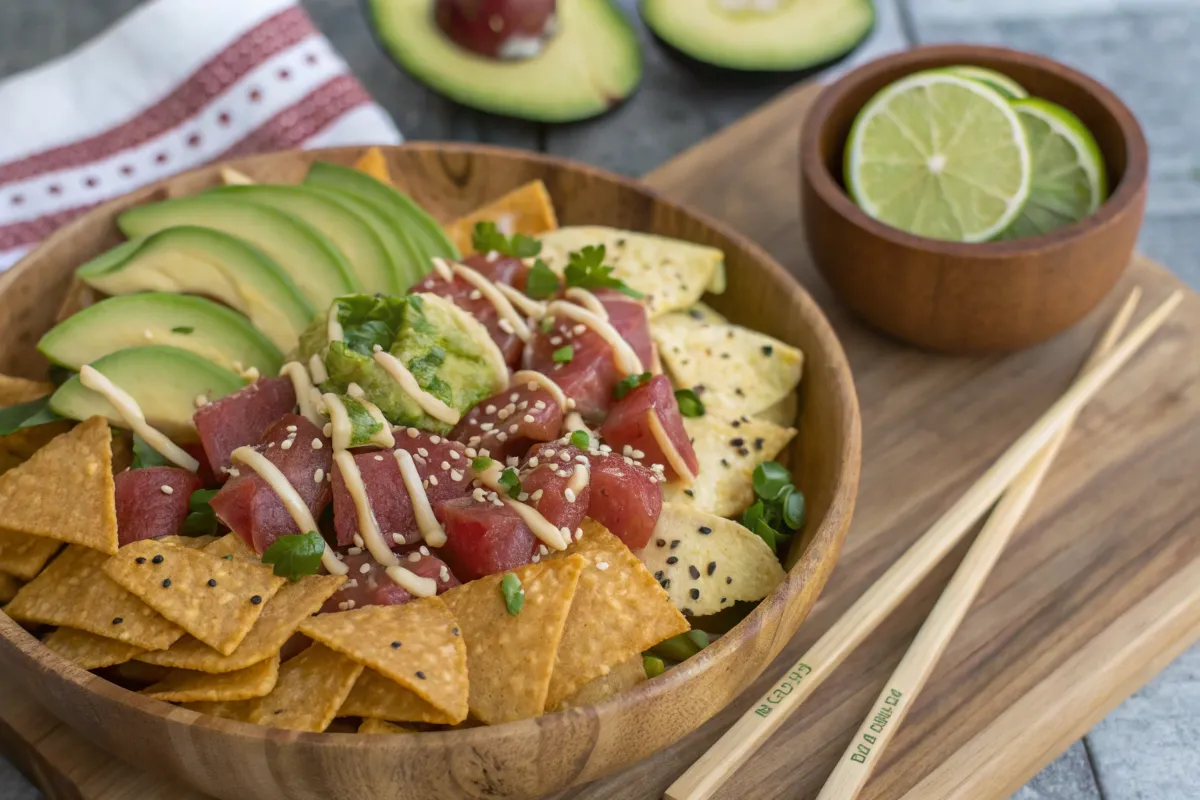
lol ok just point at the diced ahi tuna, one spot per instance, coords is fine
(625, 498)
(252, 509)
(375, 588)
(629, 316)
(509, 422)
(483, 538)
(552, 470)
(629, 425)
(152, 502)
(241, 418)
(466, 296)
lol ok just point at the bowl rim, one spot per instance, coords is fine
(831, 530)
(819, 177)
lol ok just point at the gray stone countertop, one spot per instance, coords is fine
(1147, 50)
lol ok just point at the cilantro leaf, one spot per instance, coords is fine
(514, 595)
(563, 355)
(522, 246)
(201, 519)
(586, 270)
(26, 415)
(481, 464)
(541, 281)
(295, 555)
(146, 456)
(510, 482)
(363, 426)
(628, 384)
(486, 238)
(689, 403)
(581, 440)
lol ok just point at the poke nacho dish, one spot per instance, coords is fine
(310, 460)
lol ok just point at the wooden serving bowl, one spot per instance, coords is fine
(957, 297)
(526, 759)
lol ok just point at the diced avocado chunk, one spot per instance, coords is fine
(190, 323)
(164, 381)
(319, 270)
(357, 240)
(193, 260)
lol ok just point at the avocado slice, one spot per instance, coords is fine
(592, 64)
(761, 35)
(164, 381)
(426, 235)
(208, 329)
(204, 261)
(357, 240)
(317, 267)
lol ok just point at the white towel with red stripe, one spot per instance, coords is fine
(174, 85)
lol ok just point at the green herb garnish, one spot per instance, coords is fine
(26, 415)
(546, 324)
(541, 281)
(486, 238)
(689, 403)
(514, 595)
(510, 482)
(586, 270)
(363, 425)
(146, 456)
(779, 510)
(581, 440)
(681, 647)
(201, 519)
(653, 665)
(295, 555)
(183, 329)
(482, 464)
(628, 384)
(563, 355)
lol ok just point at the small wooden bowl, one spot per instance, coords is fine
(526, 759)
(957, 297)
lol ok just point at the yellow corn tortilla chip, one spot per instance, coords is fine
(526, 209)
(232, 545)
(8, 587)
(74, 592)
(189, 686)
(24, 556)
(215, 600)
(706, 562)
(89, 650)
(510, 658)
(65, 490)
(621, 678)
(374, 695)
(14, 391)
(729, 367)
(618, 611)
(239, 710)
(416, 644)
(373, 163)
(671, 273)
(194, 542)
(376, 726)
(280, 618)
(21, 445)
(310, 690)
(728, 449)
(782, 413)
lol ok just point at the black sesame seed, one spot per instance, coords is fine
(737, 441)
(767, 350)
(395, 645)
(712, 567)
(212, 581)
(157, 559)
(728, 579)
(420, 675)
(687, 612)
(689, 492)
(743, 452)
(673, 560)
(724, 600)
(698, 388)
(256, 599)
(660, 542)
(738, 391)
(658, 576)
(705, 530)
(454, 631)
(118, 620)
(758, 443)
(674, 543)
(695, 573)
(695, 593)
(737, 423)
(666, 584)
(724, 463)
(140, 560)
(228, 557)
(166, 583)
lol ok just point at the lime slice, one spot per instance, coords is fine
(1069, 180)
(997, 80)
(939, 156)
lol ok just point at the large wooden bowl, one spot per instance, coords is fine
(526, 759)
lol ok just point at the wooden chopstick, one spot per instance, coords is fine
(745, 736)
(854, 768)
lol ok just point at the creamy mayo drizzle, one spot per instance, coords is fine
(384, 436)
(588, 301)
(367, 525)
(574, 422)
(579, 479)
(431, 530)
(655, 361)
(540, 526)
(131, 412)
(624, 358)
(339, 420)
(490, 293)
(527, 376)
(307, 395)
(408, 384)
(414, 583)
(333, 328)
(290, 498)
(442, 268)
(316, 368)
(670, 452)
(529, 307)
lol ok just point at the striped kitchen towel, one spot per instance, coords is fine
(173, 85)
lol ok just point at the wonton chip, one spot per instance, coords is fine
(189, 686)
(373, 163)
(89, 650)
(782, 413)
(310, 689)
(74, 592)
(706, 562)
(374, 695)
(280, 618)
(8, 587)
(691, 318)
(370, 726)
(65, 491)
(215, 600)
(511, 658)
(621, 678)
(618, 611)
(728, 451)
(24, 556)
(416, 644)
(671, 273)
(730, 367)
(526, 209)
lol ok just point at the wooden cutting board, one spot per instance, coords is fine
(1097, 592)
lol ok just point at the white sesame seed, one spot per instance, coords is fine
(543, 550)
(601, 565)
(549, 452)
(379, 458)
(397, 538)
(487, 426)
(540, 405)
(364, 569)
(358, 541)
(536, 496)
(286, 444)
(569, 494)
(564, 456)
(444, 574)
(475, 294)
(566, 532)
(456, 475)
(200, 401)
(638, 454)
(317, 444)
(328, 429)
(319, 475)
(504, 414)
(422, 451)
(556, 340)
(291, 429)
(433, 481)
(414, 556)
(502, 436)
(489, 409)
(533, 462)
(528, 418)
(412, 433)
(536, 558)
(532, 386)
(578, 534)
(513, 428)
(478, 495)
(167, 489)
(514, 397)
(455, 454)
(417, 458)
(376, 348)
(512, 461)
(579, 329)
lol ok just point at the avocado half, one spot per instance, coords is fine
(782, 36)
(591, 65)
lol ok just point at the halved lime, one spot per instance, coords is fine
(1069, 179)
(997, 80)
(939, 156)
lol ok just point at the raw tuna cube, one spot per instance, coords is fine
(548, 474)
(625, 498)
(375, 588)
(145, 510)
(507, 427)
(483, 538)
(241, 418)
(628, 426)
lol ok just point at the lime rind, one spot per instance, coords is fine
(1071, 128)
(1006, 86)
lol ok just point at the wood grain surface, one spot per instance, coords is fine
(1098, 591)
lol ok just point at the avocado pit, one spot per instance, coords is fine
(506, 30)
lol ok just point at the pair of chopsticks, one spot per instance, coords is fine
(1013, 480)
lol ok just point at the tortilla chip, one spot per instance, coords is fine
(178, 582)
(416, 644)
(232, 545)
(375, 726)
(8, 587)
(730, 367)
(671, 273)
(24, 556)
(526, 209)
(14, 391)
(233, 177)
(728, 450)
(618, 611)
(708, 571)
(20, 445)
(189, 686)
(194, 542)
(782, 413)
(310, 690)
(374, 695)
(239, 710)
(89, 650)
(280, 618)
(691, 318)
(373, 163)
(621, 678)
(65, 490)
(510, 658)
